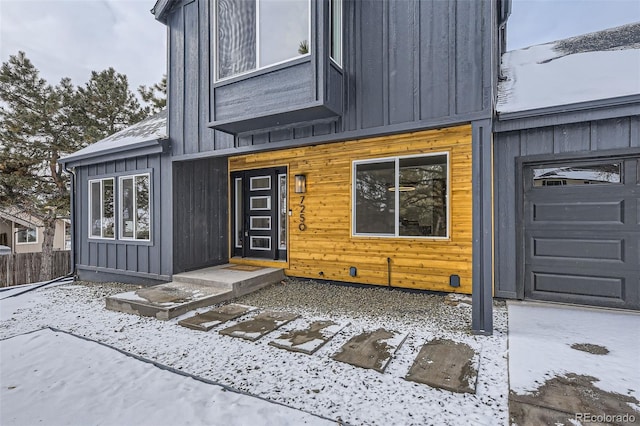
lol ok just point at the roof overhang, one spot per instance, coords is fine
(145, 147)
(601, 109)
(161, 10)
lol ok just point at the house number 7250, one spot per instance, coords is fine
(302, 225)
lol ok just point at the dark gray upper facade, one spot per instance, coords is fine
(407, 65)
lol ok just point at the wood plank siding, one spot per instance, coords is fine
(327, 248)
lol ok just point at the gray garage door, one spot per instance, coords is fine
(581, 230)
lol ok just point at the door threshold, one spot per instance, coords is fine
(256, 261)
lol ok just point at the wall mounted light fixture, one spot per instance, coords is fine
(300, 184)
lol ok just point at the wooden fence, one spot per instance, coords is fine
(24, 268)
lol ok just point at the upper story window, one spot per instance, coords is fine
(255, 34)
(26, 235)
(336, 30)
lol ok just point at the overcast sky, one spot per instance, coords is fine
(70, 38)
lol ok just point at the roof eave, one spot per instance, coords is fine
(568, 113)
(161, 10)
(146, 147)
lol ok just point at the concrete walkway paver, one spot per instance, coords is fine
(445, 364)
(371, 349)
(207, 320)
(260, 325)
(310, 338)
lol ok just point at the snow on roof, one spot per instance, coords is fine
(150, 129)
(599, 65)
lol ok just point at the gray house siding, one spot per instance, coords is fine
(407, 65)
(200, 231)
(131, 261)
(587, 139)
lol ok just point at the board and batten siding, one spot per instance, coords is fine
(146, 260)
(408, 65)
(587, 139)
(200, 214)
(327, 245)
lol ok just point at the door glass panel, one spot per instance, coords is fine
(239, 213)
(282, 212)
(259, 183)
(260, 243)
(595, 174)
(261, 203)
(261, 223)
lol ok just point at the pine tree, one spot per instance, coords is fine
(37, 127)
(108, 105)
(40, 123)
(155, 96)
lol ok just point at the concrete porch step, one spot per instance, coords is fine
(195, 289)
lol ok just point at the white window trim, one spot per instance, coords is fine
(115, 222)
(258, 67)
(267, 197)
(251, 179)
(17, 230)
(280, 211)
(237, 216)
(337, 61)
(396, 161)
(135, 201)
(252, 228)
(252, 247)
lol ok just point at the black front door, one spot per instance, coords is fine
(259, 213)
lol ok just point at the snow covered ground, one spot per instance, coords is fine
(78, 373)
(540, 340)
(54, 378)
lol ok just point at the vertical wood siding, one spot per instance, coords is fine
(200, 214)
(327, 244)
(410, 62)
(579, 138)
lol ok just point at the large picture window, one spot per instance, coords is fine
(254, 34)
(26, 235)
(101, 208)
(401, 196)
(134, 209)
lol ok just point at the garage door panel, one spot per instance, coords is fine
(582, 242)
(579, 285)
(588, 249)
(611, 212)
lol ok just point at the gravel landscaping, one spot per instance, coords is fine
(315, 383)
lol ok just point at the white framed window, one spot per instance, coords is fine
(260, 203)
(239, 213)
(135, 207)
(260, 223)
(260, 183)
(335, 31)
(26, 235)
(260, 243)
(102, 208)
(282, 211)
(256, 34)
(402, 196)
